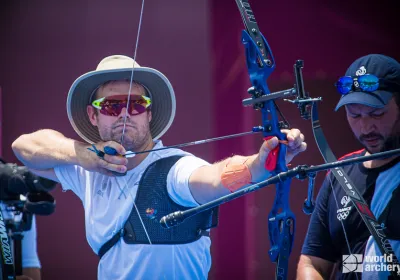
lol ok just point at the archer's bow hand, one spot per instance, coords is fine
(295, 145)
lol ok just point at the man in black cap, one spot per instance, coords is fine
(337, 234)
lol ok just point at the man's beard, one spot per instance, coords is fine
(390, 143)
(132, 141)
(134, 138)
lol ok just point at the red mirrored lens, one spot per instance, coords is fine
(113, 105)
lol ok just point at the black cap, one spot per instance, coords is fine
(381, 66)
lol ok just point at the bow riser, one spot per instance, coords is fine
(259, 71)
(260, 64)
(281, 222)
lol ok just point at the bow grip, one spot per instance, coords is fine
(273, 156)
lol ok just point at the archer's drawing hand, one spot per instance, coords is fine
(102, 162)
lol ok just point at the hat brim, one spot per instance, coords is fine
(160, 89)
(376, 99)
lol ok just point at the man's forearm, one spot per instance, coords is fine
(308, 272)
(32, 272)
(310, 267)
(46, 149)
(206, 182)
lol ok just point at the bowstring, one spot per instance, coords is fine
(126, 115)
(133, 67)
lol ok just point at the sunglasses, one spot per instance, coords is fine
(367, 83)
(113, 105)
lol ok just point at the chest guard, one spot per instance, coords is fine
(153, 202)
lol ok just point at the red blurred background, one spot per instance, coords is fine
(46, 45)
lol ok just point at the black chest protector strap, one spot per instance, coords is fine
(153, 202)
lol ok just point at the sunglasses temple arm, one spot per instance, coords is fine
(255, 130)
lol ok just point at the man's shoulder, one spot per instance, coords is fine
(169, 151)
(185, 162)
(173, 152)
(353, 154)
(349, 169)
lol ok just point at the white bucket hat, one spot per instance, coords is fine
(119, 67)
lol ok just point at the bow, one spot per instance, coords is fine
(281, 222)
(260, 64)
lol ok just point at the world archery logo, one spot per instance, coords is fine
(352, 263)
(370, 266)
(342, 213)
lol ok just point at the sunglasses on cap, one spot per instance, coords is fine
(113, 105)
(367, 83)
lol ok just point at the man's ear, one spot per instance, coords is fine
(149, 115)
(92, 114)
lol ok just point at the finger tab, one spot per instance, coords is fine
(110, 150)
